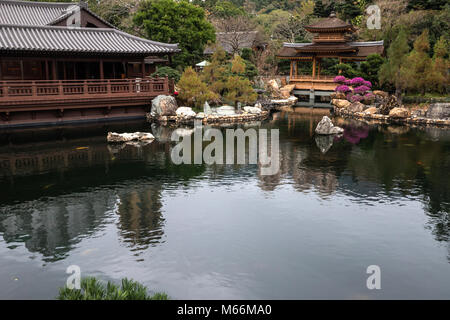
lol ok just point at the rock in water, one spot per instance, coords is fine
(356, 107)
(127, 137)
(185, 112)
(326, 127)
(324, 143)
(341, 103)
(399, 113)
(438, 111)
(207, 109)
(163, 106)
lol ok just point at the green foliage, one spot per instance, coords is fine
(426, 4)
(193, 90)
(239, 89)
(92, 289)
(390, 70)
(169, 72)
(417, 66)
(371, 67)
(226, 9)
(176, 22)
(349, 9)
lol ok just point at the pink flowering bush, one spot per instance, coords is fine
(356, 98)
(339, 79)
(357, 81)
(361, 90)
(367, 84)
(369, 98)
(342, 88)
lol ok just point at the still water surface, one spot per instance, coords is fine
(378, 196)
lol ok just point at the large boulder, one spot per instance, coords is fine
(225, 111)
(356, 107)
(185, 112)
(399, 113)
(371, 110)
(163, 106)
(286, 91)
(341, 103)
(326, 127)
(338, 95)
(114, 137)
(273, 87)
(386, 104)
(252, 110)
(438, 111)
(381, 93)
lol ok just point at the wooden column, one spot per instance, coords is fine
(21, 70)
(47, 73)
(102, 75)
(290, 72)
(314, 67)
(1, 67)
(318, 67)
(54, 74)
(296, 68)
(143, 69)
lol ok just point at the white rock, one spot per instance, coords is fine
(225, 111)
(185, 112)
(326, 127)
(183, 132)
(252, 110)
(258, 105)
(126, 137)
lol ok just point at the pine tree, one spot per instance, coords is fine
(439, 78)
(390, 71)
(417, 66)
(319, 9)
(237, 87)
(193, 90)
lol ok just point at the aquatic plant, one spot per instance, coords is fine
(93, 289)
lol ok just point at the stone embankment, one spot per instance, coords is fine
(387, 109)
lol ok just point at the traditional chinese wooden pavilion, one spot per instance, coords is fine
(332, 39)
(60, 62)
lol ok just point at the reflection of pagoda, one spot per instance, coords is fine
(332, 39)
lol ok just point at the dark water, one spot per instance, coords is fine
(379, 196)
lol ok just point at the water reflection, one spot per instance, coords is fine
(57, 192)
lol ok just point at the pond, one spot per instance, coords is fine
(378, 195)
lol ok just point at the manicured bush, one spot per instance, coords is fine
(356, 98)
(342, 88)
(357, 81)
(339, 79)
(361, 90)
(167, 71)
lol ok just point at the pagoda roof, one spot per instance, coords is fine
(349, 49)
(332, 23)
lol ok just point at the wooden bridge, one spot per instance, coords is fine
(39, 102)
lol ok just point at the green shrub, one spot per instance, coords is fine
(169, 72)
(93, 289)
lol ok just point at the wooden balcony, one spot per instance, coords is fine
(58, 101)
(28, 95)
(320, 82)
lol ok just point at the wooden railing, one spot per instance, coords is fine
(82, 89)
(311, 78)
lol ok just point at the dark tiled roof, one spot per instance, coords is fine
(33, 13)
(77, 40)
(330, 23)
